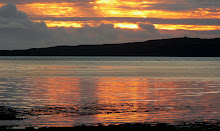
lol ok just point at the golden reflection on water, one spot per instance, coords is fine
(111, 100)
(61, 93)
(66, 101)
(56, 90)
(132, 95)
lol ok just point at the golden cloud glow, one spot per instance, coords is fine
(112, 8)
(63, 24)
(50, 9)
(134, 8)
(187, 27)
(116, 8)
(106, 1)
(126, 25)
(92, 24)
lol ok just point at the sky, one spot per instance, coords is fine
(44, 23)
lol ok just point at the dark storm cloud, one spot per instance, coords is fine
(106, 33)
(17, 31)
(10, 11)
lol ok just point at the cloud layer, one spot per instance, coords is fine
(120, 8)
(155, 4)
(18, 32)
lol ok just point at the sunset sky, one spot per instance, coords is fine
(43, 23)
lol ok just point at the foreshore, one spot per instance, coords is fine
(213, 125)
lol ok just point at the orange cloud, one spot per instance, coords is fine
(126, 25)
(49, 9)
(63, 24)
(113, 8)
(118, 8)
(187, 27)
(132, 8)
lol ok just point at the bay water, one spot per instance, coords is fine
(71, 91)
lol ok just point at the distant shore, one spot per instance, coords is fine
(175, 47)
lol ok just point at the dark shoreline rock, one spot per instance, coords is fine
(213, 125)
(7, 113)
(181, 126)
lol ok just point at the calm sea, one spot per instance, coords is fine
(71, 91)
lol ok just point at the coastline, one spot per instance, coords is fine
(174, 47)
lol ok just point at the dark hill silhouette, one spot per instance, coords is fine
(178, 47)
